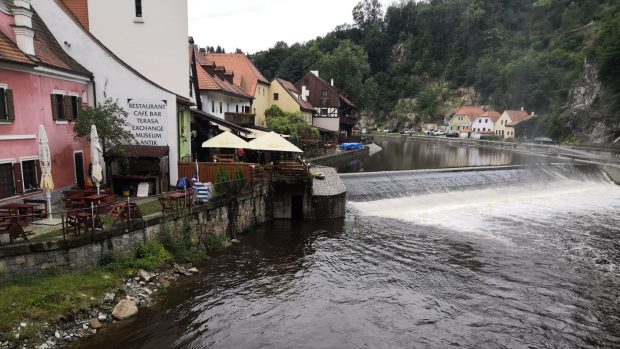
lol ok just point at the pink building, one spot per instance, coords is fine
(39, 85)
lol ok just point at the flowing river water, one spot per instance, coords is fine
(518, 257)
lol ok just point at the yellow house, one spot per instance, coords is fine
(503, 126)
(464, 117)
(248, 78)
(286, 96)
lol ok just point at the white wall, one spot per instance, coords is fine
(110, 76)
(481, 123)
(155, 45)
(228, 103)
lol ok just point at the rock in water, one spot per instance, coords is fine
(193, 270)
(124, 310)
(95, 324)
(145, 275)
(164, 283)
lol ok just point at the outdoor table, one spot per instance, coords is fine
(95, 199)
(179, 199)
(19, 212)
(121, 213)
(85, 219)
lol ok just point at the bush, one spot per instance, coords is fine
(150, 256)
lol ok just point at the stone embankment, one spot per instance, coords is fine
(340, 157)
(138, 291)
(329, 194)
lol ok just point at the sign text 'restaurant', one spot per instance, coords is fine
(147, 120)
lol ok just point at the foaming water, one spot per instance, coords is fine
(493, 210)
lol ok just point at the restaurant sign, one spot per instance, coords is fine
(147, 121)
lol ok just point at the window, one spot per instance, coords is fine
(30, 176)
(323, 111)
(139, 8)
(65, 108)
(486, 121)
(324, 98)
(236, 108)
(7, 112)
(213, 106)
(7, 181)
(221, 110)
(276, 96)
(479, 121)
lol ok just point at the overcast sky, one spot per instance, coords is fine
(255, 25)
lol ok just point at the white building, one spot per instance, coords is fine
(143, 96)
(485, 122)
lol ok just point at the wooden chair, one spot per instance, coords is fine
(40, 209)
(166, 204)
(72, 224)
(15, 231)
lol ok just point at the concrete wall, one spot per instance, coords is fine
(155, 44)
(340, 157)
(326, 207)
(113, 79)
(86, 251)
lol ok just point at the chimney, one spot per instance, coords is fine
(533, 114)
(24, 34)
(332, 82)
(315, 72)
(522, 109)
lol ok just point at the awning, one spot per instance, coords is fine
(141, 151)
(214, 119)
(226, 140)
(273, 142)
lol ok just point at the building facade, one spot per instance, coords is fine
(486, 122)
(463, 118)
(503, 125)
(333, 111)
(39, 85)
(248, 78)
(286, 96)
(153, 109)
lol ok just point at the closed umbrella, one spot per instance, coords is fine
(96, 157)
(45, 159)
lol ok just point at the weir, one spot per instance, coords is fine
(373, 186)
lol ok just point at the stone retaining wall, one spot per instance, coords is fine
(87, 250)
(338, 158)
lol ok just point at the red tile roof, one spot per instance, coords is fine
(517, 115)
(493, 115)
(207, 82)
(10, 52)
(48, 51)
(294, 92)
(247, 76)
(79, 8)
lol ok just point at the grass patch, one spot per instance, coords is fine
(41, 299)
(47, 236)
(150, 208)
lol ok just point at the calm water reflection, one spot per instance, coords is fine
(410, 154)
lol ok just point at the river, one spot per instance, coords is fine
(471, 261)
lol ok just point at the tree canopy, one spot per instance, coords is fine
(111, 122)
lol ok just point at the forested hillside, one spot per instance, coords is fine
(559, 58)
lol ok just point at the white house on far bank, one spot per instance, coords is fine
(485, 122)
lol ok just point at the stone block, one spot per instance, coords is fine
(19, 260)
(3, 266)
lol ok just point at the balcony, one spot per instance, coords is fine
(242, 119)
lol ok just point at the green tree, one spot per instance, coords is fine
(348, 66)
(111, 122)
(291, 124)
(368, 13)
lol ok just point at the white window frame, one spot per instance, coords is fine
(5, 87)
(63, 93)
(21, 165)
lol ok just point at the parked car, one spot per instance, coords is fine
(453, 134)
(429, 132)
(407, 132)
(439, 133)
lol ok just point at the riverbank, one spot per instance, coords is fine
(53, 309)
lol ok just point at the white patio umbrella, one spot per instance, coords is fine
(274, 142)
(45, 159)
(96, 157)
(226, 140)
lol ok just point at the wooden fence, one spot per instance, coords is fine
(207, 171)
